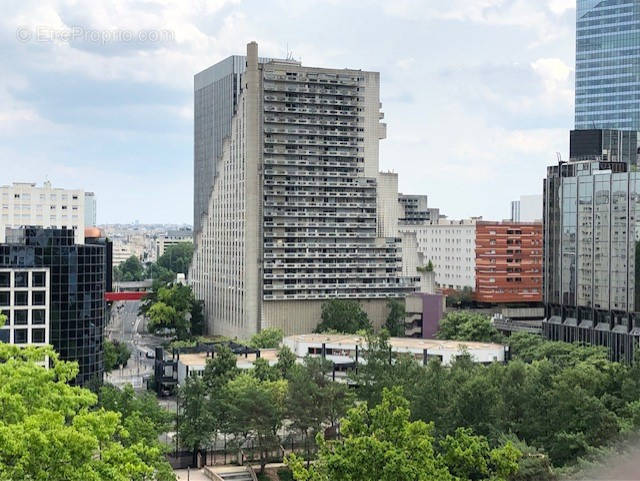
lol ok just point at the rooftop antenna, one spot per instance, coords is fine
(289, 53)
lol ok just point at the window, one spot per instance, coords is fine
(38, 316)
(20, 317)
(21, 279)
(5, 279)
(7, 315)
(4, 335)
(20, 336)
(4, 298)
(37, 298)
(38, 279)
(20, 298)
(37, 335)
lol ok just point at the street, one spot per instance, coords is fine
(125, 325)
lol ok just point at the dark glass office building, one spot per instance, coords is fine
(590, 212)
(605, 144)
(608, 64)
(78, 275)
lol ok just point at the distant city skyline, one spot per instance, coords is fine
(475, 94)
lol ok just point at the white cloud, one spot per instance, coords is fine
(477, 93)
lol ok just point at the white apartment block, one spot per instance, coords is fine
(292, 216)
(25, 204)
(450, 245)
(24, 300)
(172, 238)
(527, 209)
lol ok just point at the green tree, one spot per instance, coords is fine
(163, 317)
(379, 443)
(116, 354)
(379, 368)
(460, 298)
(395, 318)
(468, 326)
(220, 368)
(264, 372)
(469, 457)
(131, 404)
(269, 338)
(344, 316)
(382, 443)
(160, 276)
(129, 270)
(304, 403)
(286, 361)
(175, 308)
(51, 430)
(195, 425)
(255, 409)
(177, 258)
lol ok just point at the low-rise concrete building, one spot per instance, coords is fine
(346, 348)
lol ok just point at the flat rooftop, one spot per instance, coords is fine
(397, 343)
(200, 358)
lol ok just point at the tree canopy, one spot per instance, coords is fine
(345, 316)
(51, 430)
(382, 443)
(395, 319)
(129, 270)
(468, 326)
(177, 258)
(116, 354)
(175, 309)
(269, 338)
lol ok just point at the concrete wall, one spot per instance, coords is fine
(302, 317)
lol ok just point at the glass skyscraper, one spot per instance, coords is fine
(78, 275)
(608, 64)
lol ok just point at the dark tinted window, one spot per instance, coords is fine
(5, 279)
(21, 279)
(20, 336)
(37, 298)
(20, 298)
(4, 335)
(37, 279)
(20, 317)
(4, 298)
(38, 316)
(37, 335)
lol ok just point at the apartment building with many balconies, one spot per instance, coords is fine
(292, 217)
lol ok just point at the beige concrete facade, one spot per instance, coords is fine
(300, 317)
(292, 219)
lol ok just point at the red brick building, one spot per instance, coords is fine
(508, 262)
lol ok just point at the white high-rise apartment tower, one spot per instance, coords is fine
(292, 218)
(25, 204)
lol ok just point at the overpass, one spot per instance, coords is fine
(129, 291)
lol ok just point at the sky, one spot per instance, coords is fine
(98, 95)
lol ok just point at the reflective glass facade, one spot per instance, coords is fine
(608, 64)
(590, 212)
(215, 94)
(78, 276)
